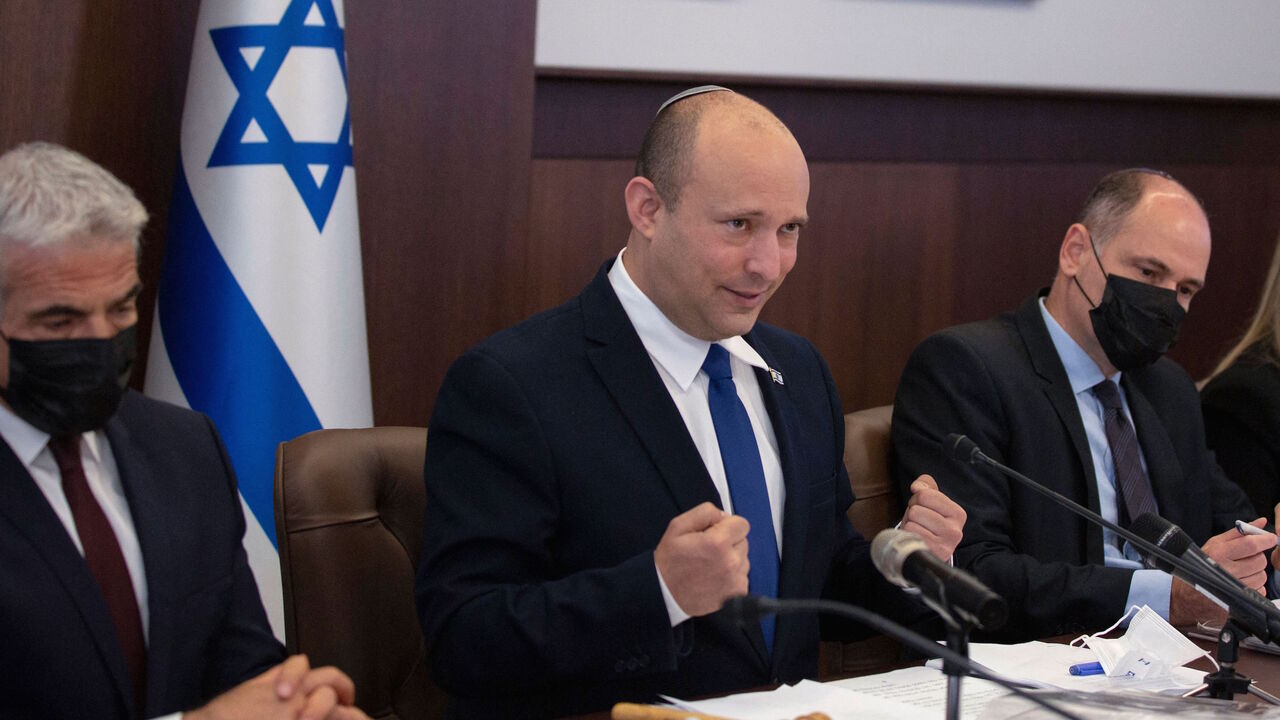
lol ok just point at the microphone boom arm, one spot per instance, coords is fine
(1259, 620)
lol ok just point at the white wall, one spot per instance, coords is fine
(1181, 47)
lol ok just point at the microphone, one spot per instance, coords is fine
(962, 448)
(1257, 615)
(905, 560)
(747, 610)
(1167, 536)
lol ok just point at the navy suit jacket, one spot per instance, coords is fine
(555, 459)
(59, 656)
(1001, 383)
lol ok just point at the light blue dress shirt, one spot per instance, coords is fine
(1148, 587)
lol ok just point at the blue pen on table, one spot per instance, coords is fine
(1082, 669)
(1247, 529)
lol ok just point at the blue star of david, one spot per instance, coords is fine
(253, 105)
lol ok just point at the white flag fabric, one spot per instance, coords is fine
(260, 308)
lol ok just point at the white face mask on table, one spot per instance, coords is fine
(1148, 650)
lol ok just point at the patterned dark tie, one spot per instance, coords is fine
(1135, 488)
(745, 473)
(106, 562)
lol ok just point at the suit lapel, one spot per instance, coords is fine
(1163, 467)
(28, 511)
(795, 519)
(627, 371)
(156, 543)
(1057, 388)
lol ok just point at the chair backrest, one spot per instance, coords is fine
(866, 457)
(875, 507)
(349, 507)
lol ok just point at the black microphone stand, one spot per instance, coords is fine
(958, 628)
(1243, 611)
(1226, 683)
(958, 641)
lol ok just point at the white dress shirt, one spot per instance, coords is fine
(31, 445)
(678, 357)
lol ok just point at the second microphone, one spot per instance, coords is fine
(904, 559)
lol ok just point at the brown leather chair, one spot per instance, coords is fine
(875, 507)
(866, 458)
(349, 507)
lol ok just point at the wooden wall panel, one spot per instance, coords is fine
(873, 272)
(441, 110)
(576, 222)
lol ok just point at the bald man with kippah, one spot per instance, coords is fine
(603, 476)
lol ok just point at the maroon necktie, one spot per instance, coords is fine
(105, 560)
(1135, 488)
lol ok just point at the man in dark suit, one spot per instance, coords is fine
(577, 551)
(124, 589)
(1037, 390)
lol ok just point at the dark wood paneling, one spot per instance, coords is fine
(1243, 204)
(605, 118)
(576, 222)
(873, 271)
(441, 109)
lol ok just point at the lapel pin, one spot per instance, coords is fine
(777, 376)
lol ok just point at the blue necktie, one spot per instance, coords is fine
(745, 474)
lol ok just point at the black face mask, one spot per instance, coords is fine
(67, 387)
(1135, 323)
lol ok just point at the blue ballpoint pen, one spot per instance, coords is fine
(1092, 668)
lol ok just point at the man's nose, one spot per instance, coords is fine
(765, 258)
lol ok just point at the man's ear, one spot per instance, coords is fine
(1075, 251)
(643, 204)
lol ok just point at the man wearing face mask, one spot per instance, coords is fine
(124, 589)
(1072, 390)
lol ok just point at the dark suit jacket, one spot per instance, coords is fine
(208, 632)
(1001, 383)
(555, 459)
(1242, 422)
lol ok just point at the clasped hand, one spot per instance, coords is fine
(292, 690)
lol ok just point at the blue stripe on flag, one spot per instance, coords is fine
(223, 356)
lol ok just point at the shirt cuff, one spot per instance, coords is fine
(674, 612)
(1151, 588)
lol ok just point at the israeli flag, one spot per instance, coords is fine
(260, 312)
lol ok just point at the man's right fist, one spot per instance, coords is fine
(703, 558)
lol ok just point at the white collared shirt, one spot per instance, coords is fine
(31, 445)
(678, 356)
